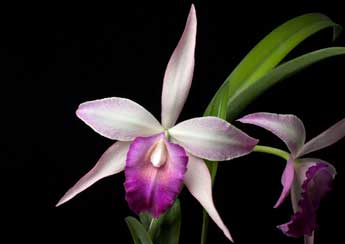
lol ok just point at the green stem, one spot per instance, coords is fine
(271, 150)
(205, 220)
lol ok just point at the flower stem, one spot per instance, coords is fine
(205, 220)
(271, 150)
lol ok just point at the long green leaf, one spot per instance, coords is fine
(264, 57)
(138, 232)
(247, 94)
(270, 51)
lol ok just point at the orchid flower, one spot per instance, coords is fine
(307, 179)
(159, 158)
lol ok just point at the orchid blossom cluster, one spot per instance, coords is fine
(159, 158)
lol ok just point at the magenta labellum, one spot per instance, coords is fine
(149, 187)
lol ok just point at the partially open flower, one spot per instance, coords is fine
(308, 179)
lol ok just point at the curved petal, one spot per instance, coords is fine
(198, 182)
(118, 118)
(318, 176)
(325, 139)
(212, 138)
(179, 73)
(304, 164)
(301, 168)
(286, 180)
(149, 188)
(111, 162)
(287, 127)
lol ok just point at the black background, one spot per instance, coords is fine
(54, 57)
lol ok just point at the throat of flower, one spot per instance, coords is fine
(158, 155)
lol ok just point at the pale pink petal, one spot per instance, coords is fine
(179, 73)
(286, 180)
(287, 127)
(212, 138)
(198, 182)
(111, 162)
(325, 139)
(118, 118)
(153, 189)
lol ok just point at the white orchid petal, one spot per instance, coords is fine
(325, 139)
(118, 118)
(212, 138)
(112, 162)
(179, 73)
(198, 182)
(287, 127)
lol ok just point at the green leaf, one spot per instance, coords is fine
(145, 219)
(270, 51)
(166, 229)
(247, 94)
(138, 232)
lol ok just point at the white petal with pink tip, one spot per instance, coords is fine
(111, 162)
(212, 138)
(198, 182)
(118, 118)
(179, 73)
(287, 127)
(325, 139)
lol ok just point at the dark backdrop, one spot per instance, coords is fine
(54, 57)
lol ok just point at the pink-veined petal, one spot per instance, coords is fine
(317, 177)
(111, 162)
(153, 189)
(325, 139)
(179, 73)
(118, 118)
(286, 180)
(212, 138)
(288, 128)
(198, 182)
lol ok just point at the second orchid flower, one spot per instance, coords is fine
(306, 179)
